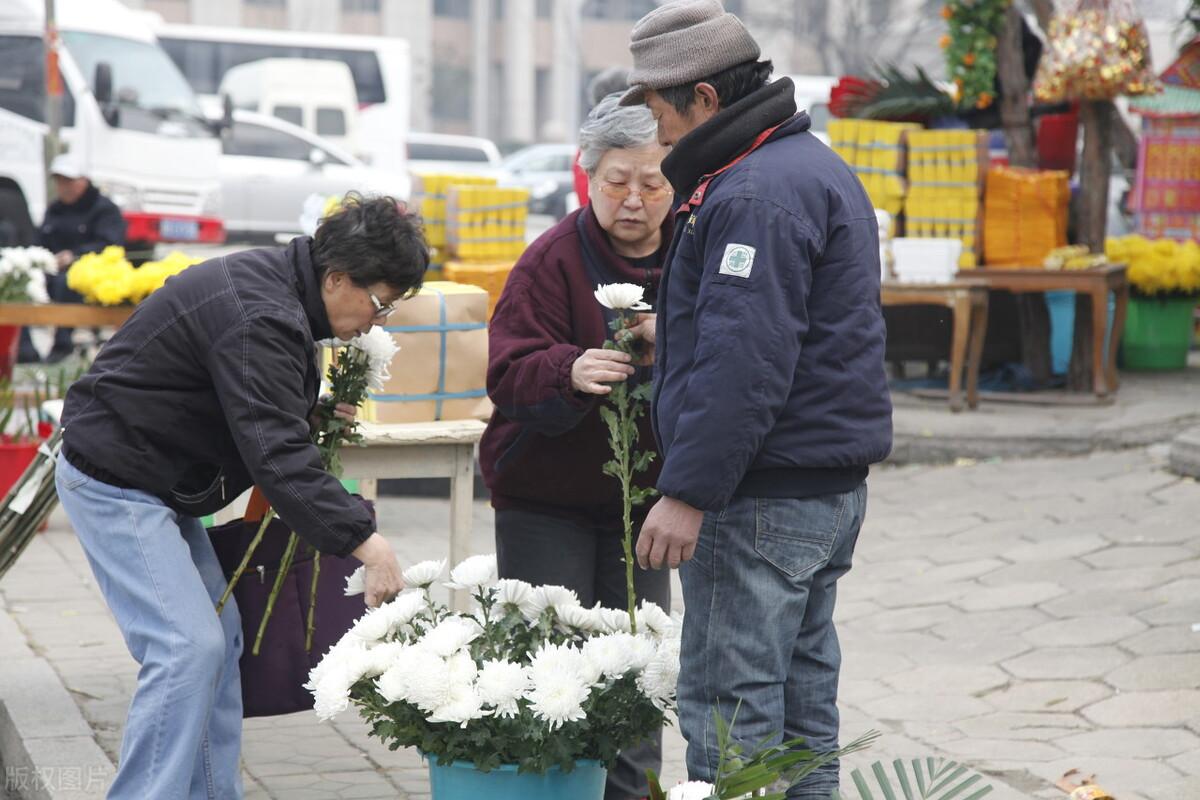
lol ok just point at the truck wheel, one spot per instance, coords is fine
(16, 229)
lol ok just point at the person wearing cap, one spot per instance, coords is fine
(770, 399)
(81, 220)
(559, 519)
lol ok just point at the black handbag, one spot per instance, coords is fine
(273, 681)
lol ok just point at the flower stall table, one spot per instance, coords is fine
(443, 449)
(968, 302)
(1095, 282)
(73, 315)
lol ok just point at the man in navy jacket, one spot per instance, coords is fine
(770, 398)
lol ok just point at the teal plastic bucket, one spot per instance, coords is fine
(1061, 305)
(461, 781)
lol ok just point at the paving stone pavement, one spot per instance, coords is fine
(1024, 617)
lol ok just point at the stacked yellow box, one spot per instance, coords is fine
(430, 194)
(490, 277)
(945, 183)
(1025, 216)
(876, 152)
(486, 223)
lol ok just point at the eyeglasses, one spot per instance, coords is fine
(649, 194)
(381, 311)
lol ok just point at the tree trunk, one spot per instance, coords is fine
(1014, 103)
(1094, 173)
(1044, 10)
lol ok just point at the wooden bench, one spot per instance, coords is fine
(67, 315)
(968, 302)
(1095, 283)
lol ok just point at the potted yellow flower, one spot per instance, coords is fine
(1164, 280)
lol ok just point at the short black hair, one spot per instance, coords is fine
(732, 84)
(373, 240)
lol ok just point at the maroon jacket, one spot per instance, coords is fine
(546, 444)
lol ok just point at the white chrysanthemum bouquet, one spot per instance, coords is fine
(529, 677)
(23, 272)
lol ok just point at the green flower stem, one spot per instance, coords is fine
(312, 602)
(237, 573)
(285, 564)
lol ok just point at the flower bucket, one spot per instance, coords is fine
(461, 781)
(15, 458)
(1158, 333)
(10, 340)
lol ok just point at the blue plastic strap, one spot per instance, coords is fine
(450, 326)
(438, 396)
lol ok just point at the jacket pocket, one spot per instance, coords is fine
(796, 536)
(189, 496)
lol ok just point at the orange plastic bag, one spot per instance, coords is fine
(1095, 50)
(1024, 216)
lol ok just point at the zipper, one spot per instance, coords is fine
(262, 574)
(222, 487)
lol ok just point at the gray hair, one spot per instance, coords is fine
(610, 126)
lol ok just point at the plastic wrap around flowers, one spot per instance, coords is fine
(527, 667)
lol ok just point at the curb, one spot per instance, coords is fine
(48, 749)
(1185, 454)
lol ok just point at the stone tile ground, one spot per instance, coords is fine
(1024, 617)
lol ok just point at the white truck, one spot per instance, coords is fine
(127, 113)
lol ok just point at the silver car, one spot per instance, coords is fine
(270, 167)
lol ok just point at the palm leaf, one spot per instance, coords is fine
(920, 779)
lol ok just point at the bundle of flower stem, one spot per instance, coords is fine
(356, 367)
(28, 503)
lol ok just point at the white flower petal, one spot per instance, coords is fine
(356, 582)
(474, 572)
(621, 296)
(424, 574)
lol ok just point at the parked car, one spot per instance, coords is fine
(443, 152)
(269, 167)
(544, 169)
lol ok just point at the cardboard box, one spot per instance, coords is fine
(441, 369)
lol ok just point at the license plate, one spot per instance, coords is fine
(187, 230)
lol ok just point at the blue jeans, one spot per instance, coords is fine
(759, 595)
(161, 578)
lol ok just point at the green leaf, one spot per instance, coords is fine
(644, 392)
(927, 779)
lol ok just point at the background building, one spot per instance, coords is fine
(517, 70)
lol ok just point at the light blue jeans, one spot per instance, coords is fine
(759, 595)
(161, 578)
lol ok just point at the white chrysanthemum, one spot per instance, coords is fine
(333, 658)
(609, 655)
(615, 620)
(474, 572)
(464, 705)
(558, 698)
(512, 592)
(692, 790)
(383, 656)
(501, 684)
(414, 665)
(431, 684)
(621, 296)
(356, 582)
(557, 659)
(544, 597)
(658, 679)
(42, 259)
(16, 259)
(588, 620)
(651, 617)
(451, 635)
(379, 348)
(380, 623)
(424, 574)
(36, 287)
(331, 693)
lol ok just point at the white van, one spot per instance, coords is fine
(128, 115)
(380, 67)
(313, 94)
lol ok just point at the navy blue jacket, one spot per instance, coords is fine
(769, 377)
(88, 225)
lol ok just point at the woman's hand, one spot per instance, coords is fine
(597, 367)
(382, 578)
(644, 329)
(341, 410)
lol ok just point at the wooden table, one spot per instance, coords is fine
(968, 302)
(1096, 283)
(425, 450)
(67, 315)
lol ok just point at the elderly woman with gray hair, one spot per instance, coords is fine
(558, 517)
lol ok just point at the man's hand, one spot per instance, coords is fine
(669, 534)
(382, 577)
(64, 258)
(597, 367)
(644, 329)
(342, 410)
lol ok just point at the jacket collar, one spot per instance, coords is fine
(85, 201)
(729, 133)
(308, 286)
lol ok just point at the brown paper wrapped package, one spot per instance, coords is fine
(417, 369)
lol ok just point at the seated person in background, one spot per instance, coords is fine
(81, 220)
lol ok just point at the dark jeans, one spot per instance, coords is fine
(587, 558)
(759, 595)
